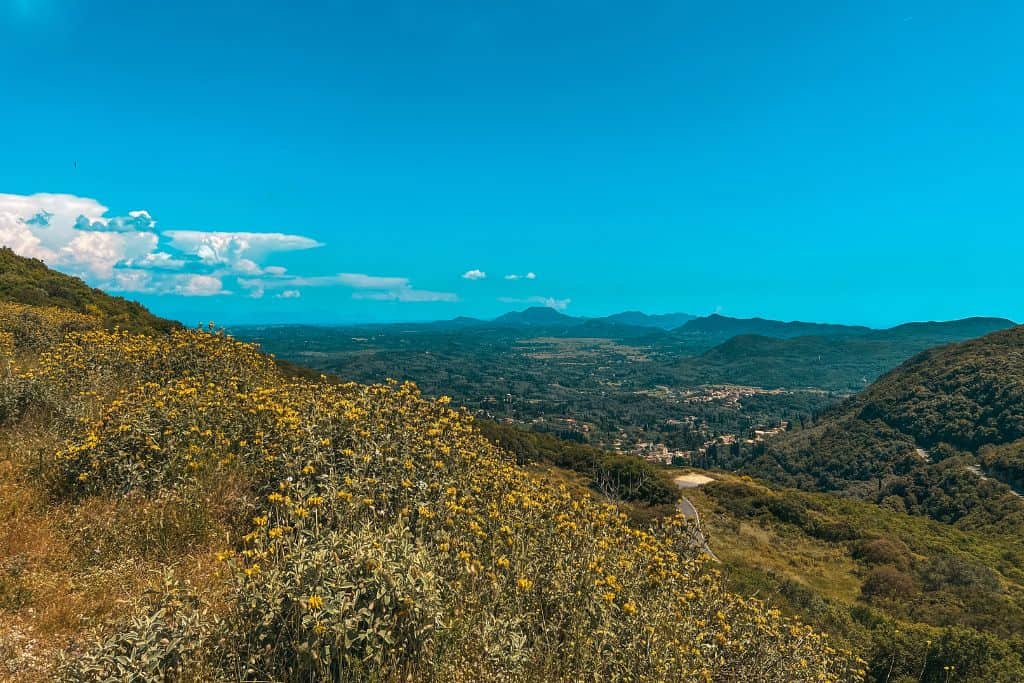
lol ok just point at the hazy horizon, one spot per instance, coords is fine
(324, 322)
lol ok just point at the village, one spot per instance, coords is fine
(659, 453)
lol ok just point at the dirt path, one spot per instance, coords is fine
(976, 470)
(973, 469)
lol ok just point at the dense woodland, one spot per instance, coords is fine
(937, 436)
(915, 595)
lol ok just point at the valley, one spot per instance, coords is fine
(185, 466)
(864, 512)
(624, 383)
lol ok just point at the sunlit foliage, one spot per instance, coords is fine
(369, 534)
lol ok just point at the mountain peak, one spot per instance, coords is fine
(536, 315)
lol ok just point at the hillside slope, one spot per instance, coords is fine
(922, 435)
(177, 509)
(965, 395)
(836, 362)
(29, 281)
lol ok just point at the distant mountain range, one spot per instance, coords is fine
(665, 321)
(545, 317)
(720, 325)
(696, 332)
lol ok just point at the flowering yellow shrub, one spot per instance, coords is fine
(24, 332)
(33, 328)
(390, 540)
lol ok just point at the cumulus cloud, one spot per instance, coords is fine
(16, 234)
(135, 281)
(97, 253)
(526, 276)
(135, 220)
(475, 274)
(238, 251)
(42, 225)
(128, 253)
(160, 260)
(200, 285)
(550, 302)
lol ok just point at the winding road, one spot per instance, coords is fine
(691, 481)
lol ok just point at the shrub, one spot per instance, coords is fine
(886, 581)
(883, 551)
(165, 641)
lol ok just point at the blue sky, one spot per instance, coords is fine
(348, 161)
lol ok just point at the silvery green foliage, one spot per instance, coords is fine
(164, 641)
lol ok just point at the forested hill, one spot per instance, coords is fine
(942, 434)
(665, 321)
(836, 362)
(720, 325)
(966, 395)
(30, 281)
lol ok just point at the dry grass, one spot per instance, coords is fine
(66, 569)
(825, 567)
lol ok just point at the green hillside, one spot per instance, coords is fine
(29, 281)
(940, 435)
(967, 395)
(921, 600)
(836, 362)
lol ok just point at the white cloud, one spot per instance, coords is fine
(368, 287)
(44, 226)
(96, 253)
(238, 251)
(550, 302)
(363, 281)
(76, 235)
(154, 282)
(475, 274)
(160, 260)
(19, 236)
(200, 285)
(131, 280)
(130, 254)
(134, 221)
(406, 294)
(527, 276)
